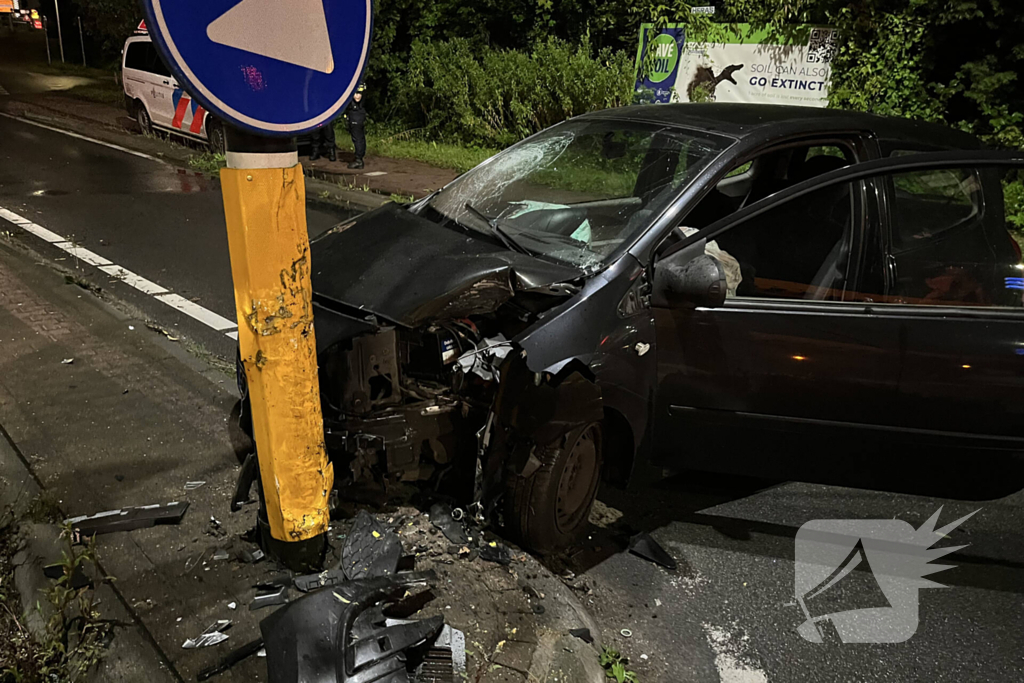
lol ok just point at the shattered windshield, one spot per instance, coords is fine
(578, 191)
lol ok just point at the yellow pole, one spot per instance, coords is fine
(265, 208)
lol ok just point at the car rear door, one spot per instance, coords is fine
(803, 373)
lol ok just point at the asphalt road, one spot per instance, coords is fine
(728, 613)
(158, 221)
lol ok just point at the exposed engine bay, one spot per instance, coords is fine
(425, 404)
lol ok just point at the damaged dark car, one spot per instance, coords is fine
(661, 288)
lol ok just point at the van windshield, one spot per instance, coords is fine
(579, 191)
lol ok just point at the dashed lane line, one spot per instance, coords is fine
(204, 315)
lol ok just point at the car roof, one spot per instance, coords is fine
(744, 120)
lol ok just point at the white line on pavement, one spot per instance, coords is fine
(82, 137)
(175, 301)
(203, 315)
(137, 281)
(37, 230)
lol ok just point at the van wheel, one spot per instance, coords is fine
(215, 136)
(550, 509)
(142, 118)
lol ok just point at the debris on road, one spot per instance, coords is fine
(68, 361)
(494, 552)
(193, 485)
(583, 634)
(311, 639)
(221, 554)
(126, 519)
(643, 545)
(213, 635)
(234, 657)
(324, 579)
(442, 518)
(251, 556)
(278, 596)
(370, 551)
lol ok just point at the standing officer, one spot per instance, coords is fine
(356, 115)
(323, 141)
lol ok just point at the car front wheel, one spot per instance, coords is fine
(548, 511)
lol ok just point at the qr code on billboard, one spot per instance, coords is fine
(822, 47)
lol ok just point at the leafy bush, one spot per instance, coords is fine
(495, 97)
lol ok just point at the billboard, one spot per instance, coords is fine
(657, 61)
(749, 66)
(7, 6)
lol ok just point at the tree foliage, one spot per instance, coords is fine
(495, 70)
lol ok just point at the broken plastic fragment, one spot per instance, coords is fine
(441, 517)
(583, 634)
(213, 635)
(646, 547)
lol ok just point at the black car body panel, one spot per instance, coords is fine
(407, 269)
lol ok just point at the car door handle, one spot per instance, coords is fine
(167, 82)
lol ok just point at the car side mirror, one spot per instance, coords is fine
(682, 279)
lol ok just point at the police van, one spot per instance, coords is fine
(156, 101)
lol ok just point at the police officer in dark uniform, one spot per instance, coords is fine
(323, 142)
(356, 115)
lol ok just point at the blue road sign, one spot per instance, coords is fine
(270, 66)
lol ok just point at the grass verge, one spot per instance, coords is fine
(207, 162)
(384, 142)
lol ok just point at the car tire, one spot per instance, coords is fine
(547, 511)
(215, 137)
(142, 118)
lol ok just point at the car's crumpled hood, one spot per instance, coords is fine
(408, 270)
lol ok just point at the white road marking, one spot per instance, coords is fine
(194, 310)
(729, 658)
(131, 279)
(175, 301)
(82, 254)
(82, 137)
(37, 230)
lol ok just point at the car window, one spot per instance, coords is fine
(154, 63)
(770, 172)
(135, 57)
(930, 202)
(956, 237)
(579, 191)
(799, 249)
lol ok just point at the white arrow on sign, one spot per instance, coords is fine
(293, 31)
